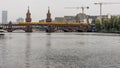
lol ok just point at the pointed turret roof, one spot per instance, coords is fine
(28, 15)
(48, 19)
(28, 10)
(48, 9)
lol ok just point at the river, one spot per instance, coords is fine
(59, 50)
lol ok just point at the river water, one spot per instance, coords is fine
(59, 50)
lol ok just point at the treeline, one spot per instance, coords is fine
(107, 25)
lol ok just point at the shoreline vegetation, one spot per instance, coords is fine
(107, 25)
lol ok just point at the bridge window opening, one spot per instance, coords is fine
(13, 26)
(23, 26)
(16, 26)
(19, 30)
(20, 26)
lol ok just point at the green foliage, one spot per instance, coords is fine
(97, 25)
(116, 24)
(108, 25)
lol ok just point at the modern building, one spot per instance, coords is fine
(4, 17)
(81, 17)
(69, 18)
(42, 20)
(65, 19)
(59, 19)
(20, 20)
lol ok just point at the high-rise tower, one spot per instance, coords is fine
(28, 16)
(48, 19)
(4, 17)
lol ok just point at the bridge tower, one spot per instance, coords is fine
(28, 19)
(28, 16)
(48, 19)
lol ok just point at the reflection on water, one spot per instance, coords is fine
(27, 51)
(59, 50)
(1, 37)
(3, 52)
(48, 50)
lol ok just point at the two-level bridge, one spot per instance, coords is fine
(12, 27)
(48, 26)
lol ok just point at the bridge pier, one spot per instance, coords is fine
(9, 30)
(10, 27)
(49, 28)
(28, 28)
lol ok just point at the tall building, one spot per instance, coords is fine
(4, 17)
(48, 19)
(28, 16)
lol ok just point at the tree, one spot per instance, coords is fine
(97, 25)
(107, 24)
(116, 24)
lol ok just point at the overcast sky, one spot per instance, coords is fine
(38, 8)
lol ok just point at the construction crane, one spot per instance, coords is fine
(103, 3)
(83, 8)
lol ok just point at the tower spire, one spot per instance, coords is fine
(28, 16)
(48, 19)
(28, 10)
(48, 9)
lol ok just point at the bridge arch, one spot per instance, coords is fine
(18, 30)
(15, 30)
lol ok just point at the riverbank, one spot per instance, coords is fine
(118, 32)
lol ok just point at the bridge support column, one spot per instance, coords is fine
(9, 30)
(28, 28)
(10, 27)
(49, 28)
